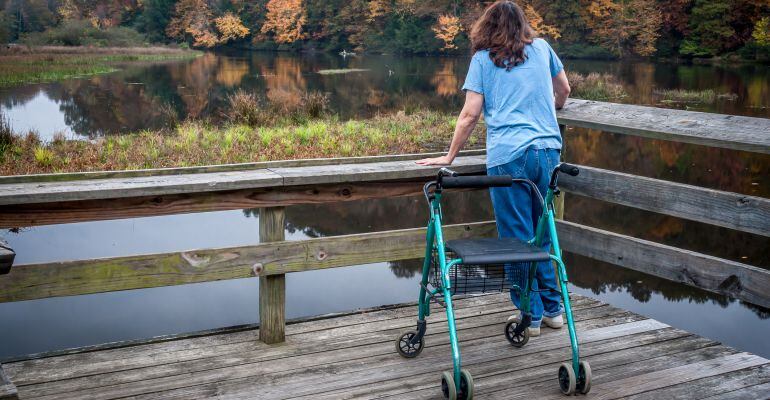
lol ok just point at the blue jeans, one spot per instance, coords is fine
(517, 210)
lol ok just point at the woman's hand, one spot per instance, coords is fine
(443, 160)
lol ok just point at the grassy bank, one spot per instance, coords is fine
(22, 65)
(200, 143)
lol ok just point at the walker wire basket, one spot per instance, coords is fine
(476, 279)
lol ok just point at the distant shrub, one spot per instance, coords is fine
(694, 96)
(246, 108)
(315, 104)
(6, 135)
(595, 86)
(82, 33)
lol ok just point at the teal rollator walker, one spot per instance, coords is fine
(490, 265)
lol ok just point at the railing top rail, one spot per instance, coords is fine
(707, 129)
(112, 188)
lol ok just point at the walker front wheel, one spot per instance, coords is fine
(516, 339)
(567, 381)
(448, 386)
(407, 346)
(584, 378)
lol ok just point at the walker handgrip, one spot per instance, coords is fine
(477, 181)
(569, 169)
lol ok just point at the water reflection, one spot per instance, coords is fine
(153, 95)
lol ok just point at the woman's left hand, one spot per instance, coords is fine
(443, 160)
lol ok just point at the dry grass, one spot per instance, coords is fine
(595, 86)
(199, 143)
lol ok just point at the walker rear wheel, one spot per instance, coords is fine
(405, 347)
(584, 378)
(466, 385)
(516, 339)
(567, 381)
(448, 386)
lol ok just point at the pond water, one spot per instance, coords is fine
(149, 96)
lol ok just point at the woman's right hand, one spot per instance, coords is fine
(443, 160)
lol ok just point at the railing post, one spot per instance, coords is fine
(558, 203)
(272, 288)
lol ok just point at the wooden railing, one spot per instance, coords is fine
(271, 186)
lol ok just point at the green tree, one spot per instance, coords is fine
(27, 16)
(710, 30)
(154, 18)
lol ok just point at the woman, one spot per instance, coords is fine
(519, 82)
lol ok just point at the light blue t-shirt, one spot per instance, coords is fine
(519, 105)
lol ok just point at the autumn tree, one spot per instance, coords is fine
(447, 28)
(761, 32)
(230, 28)
(537, 23)
(624, 27)
(285, 20)
(192, 21)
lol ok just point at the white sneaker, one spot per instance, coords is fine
(555, 322)
(517, 317)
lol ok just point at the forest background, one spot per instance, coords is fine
(601, 29)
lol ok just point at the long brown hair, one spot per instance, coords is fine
(503, 29)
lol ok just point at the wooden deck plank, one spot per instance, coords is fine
(499, 361)
(334, 348)
(303, 335)
(7, 388)
(321, 360)
(736, 384)
(759, 391)
(488, 343)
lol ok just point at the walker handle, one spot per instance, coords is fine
(569, 169)
(476, 182)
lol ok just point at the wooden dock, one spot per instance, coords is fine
(353, 356)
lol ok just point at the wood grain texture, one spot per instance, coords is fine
(23, 215)
(677, 375)
(68, 278)
(352, 357)
(707, 129)
(73, 176)
(272, 289)
(730, 278)
(730, 210)
(7, 388)
(52, 192)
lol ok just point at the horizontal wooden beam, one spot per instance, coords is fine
(76, 176)
(22, 215)
(707, 129)
(36, 281)
(113, 188)
(7, 388)
(730, 278)
(730, 210)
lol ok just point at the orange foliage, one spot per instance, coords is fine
(536, 21)
(620, 24)
(230, 27)
(378, 8)
(192, 17)
(285, 19)
(447, 28)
